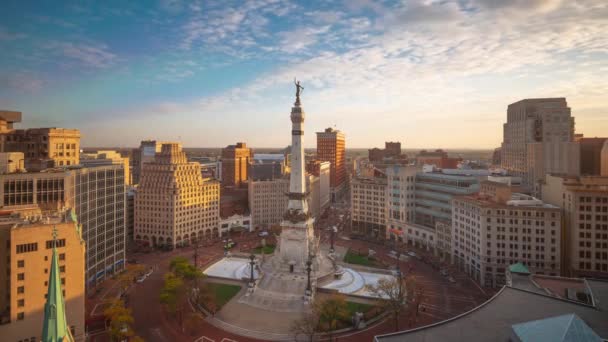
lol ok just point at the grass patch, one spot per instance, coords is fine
(223, 293)
(268, 249)
(358, 307)
(354, 258)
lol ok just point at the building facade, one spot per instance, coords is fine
(267, 201)
(584, 201)
(368, 207)
(538, 138)
(102, 158)
(331, 147)
(174, 205)
(145, 153)
(98, 196)
(235, 164)
(497, 228)
(438, 158)
(26, 262)
(400, 198)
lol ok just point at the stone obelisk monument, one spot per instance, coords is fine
(297, 237)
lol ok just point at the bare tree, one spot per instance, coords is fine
(392, 296)
(307, 326)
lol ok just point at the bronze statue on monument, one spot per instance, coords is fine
(299, 90)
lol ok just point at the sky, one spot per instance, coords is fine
(210, 73)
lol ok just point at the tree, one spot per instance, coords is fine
(120, 320)
(307, 326)
(392, 296)
(415, 294)
(125, 279)
(173, 293)
(330, 312)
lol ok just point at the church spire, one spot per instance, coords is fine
(55, 326)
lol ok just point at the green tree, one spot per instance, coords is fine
(331, 311)
(172, 294)
(120, 320)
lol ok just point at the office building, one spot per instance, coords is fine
(102, 158)
(174, 204)
(591, 155)
(98, 196)
(368, 207)
(11, 162)
(267, 166)
(496, 228)
(331, 148)
(235, 164)
(267, 201)
(400, 198)
(130, 213)
(42, 147)
(322, 170)
(584, 201)
(35, 273)
(538, 138)
(145, 153)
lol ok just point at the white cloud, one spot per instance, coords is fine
(95, 55)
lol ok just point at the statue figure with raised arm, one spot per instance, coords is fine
(299, 90)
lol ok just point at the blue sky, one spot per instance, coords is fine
(210, 73)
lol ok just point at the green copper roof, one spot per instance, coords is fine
(519, 268)
(566, 328)
(55, 327)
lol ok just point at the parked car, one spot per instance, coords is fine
(141, 279)
(444, 272)
(263, 233)
(451, 280)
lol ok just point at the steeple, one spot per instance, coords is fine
(55, 326)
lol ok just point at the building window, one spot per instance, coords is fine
(20, 263)
(21, 303)
(59, 243)
(20, 316)
(21, 289)
(21, 276)
(27, 247)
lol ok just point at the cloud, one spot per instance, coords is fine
(10, 36)
(22, 81)
(94, 55)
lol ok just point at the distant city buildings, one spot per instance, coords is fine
(368, 206)
(331, 148)
(235, 164)
(174, 205)
(584, 201)
(496, 228)
(36, 275)
(392, 150)
(101, 158)
(438, 158)
(42, 147)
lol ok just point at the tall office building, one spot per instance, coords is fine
(331, 147)
(35, 273)
(584, 201)
(267, 201)
(235, 164)
(368, 206)
(102, 158)
(497, 228)
(98, 196)
(538, 138)
(42, 147)
(145, 153)
(174, 205)
(399, 202)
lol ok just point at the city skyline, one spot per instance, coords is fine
(211, 73)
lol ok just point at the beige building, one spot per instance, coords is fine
(400, 200)
(145, 153)
(102, 158)
(174, 205)
(42, 147)
(26, 260)
(539, 139)
(584, 201)
(11, 162)
(497, 228)
(98, 196)
(368, 206)
(267, 201)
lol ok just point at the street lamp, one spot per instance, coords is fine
(252, 263)
(333, 233)
(308, 269)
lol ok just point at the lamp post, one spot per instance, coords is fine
(252, 263)
(308, 269)
(332, 234)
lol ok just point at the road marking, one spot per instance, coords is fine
(204, 339)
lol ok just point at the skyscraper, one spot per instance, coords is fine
(235, 164)
(539, 139)
(331, 148)
(145, 153)
(174, 205)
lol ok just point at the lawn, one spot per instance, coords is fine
(223, 292)
(358, 307)
(268, 249)
(354, 258)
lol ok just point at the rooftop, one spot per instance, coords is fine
(561, 328)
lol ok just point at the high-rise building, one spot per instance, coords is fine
(539, 139)
(322, 170)
(591, 155)
(34, 272)
(584, 201)
(101, 158)
(497, 228)
(235, 164)
(145, 153)
(439, 158)
(174, 205)
(399, 202)
(98, 196)
(267, 201)
(42, 147)
(368, 206)
(604, 160)
(331, 147)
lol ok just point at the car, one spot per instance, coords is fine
(444, 272)
(141, 279)
(412, 254)
(451, 280)
(150, 272)
(263, 233)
